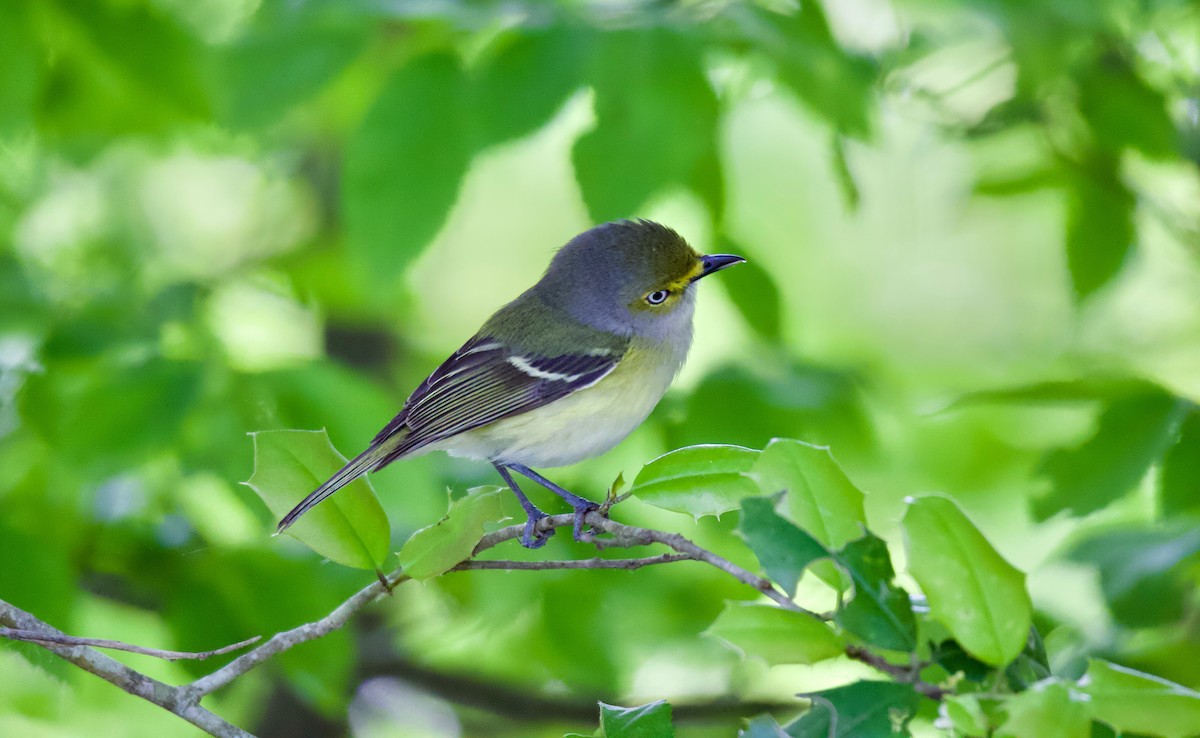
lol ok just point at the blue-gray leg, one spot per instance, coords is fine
(530, 538)
(580, 505)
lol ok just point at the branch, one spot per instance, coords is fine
(629, 564)
(903, 674)
(35, 636)
(110, 670)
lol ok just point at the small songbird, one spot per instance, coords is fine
(560, 374)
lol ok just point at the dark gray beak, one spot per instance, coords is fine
(717, 262)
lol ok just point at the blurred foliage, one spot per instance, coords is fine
(973, 229)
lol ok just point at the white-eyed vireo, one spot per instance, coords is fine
(560, 374)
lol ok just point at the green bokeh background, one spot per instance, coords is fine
(973, 232)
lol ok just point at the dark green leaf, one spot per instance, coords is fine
(881, 612)
(784, 550)
(647, 721)
(655, 121)
(1108, 90)
(349, 527)
(859, 710)
(524, 79)
(1179, 481)
(753, 291)
(1100, 227)
(405, 163)
(1133, 432)
(971, 589)
(698, 480)
(1141, 572)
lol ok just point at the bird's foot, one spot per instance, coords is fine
(531, 537)
(582, 507)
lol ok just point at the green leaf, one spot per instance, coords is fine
(820, 498)
(646, 82)
(1049, 708)
(1100, 226)
(647, 721)
(1179, 481)
(971, 589)
(762, 726)
(1108, 90)
(863, 709)
(776, 635)
(834, 84)
(754, 292)
(523, 79)
(437, 548)
(1141, 703)
(350, 527)
(405, 163)
(880, 613)
(1141, 571)
(1133, 432)
(698, 480)
(784, 550)
(966, 714)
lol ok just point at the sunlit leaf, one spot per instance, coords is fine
(859, 710)
(437, 548)
(776, 635)
(349, 527)
(1049, 708)
(1133, 432)
(819, 497)
(784, 550)
(966, 715)
(645, 81)
(698, 480)
(652, 720)
(881, 612)
(405, 163)
(971, 589)
(1140, 703)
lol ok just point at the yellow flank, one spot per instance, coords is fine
(583, 424)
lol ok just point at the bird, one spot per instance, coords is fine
(562, 373)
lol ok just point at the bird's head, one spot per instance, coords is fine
(634, 277)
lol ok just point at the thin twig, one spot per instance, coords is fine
(134, 682)
(910, 675)
(36, 636)
(629, 564)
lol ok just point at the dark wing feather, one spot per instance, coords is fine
(485, 381)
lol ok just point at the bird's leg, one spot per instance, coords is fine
(580, 505)
(530, 538)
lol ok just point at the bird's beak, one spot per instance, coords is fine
(717, 262)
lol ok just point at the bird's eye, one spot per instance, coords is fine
(657, 297)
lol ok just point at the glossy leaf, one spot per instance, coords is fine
(864, 709)
(1133, 432)
(1179, 481)
(652, 720)
(404, 165)
(1140, 703)
(775, 635)
(1049, 708)
(698, 480)
(645, 82)
(880, 612)
(435, 549)
(349, 527)
(971, 589)
(784, 550)
(819, 497)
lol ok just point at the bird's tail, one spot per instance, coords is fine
(373, 458)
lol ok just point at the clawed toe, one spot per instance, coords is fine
(531, 537)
